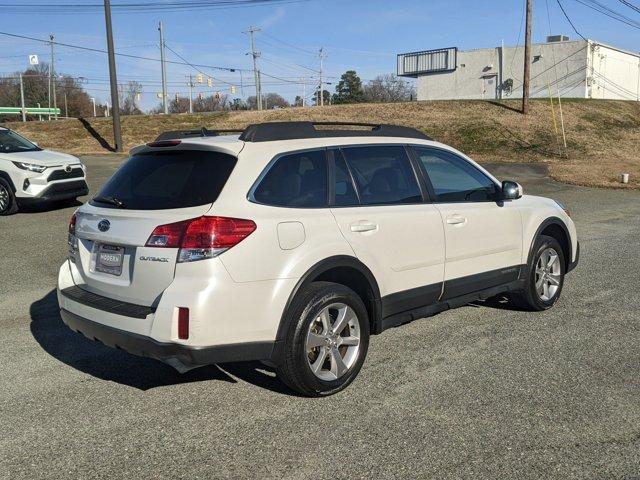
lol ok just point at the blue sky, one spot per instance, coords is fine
(358, 34)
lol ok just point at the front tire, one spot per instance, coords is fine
(546, 271)
(8, 203)
(326, 339)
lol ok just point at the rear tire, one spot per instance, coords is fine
(326, 339)
(545, 277)
(8, 203)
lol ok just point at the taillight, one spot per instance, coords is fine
(72, 225)
(72, 240)
(201, 238)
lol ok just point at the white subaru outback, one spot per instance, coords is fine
(30, 175)
(293, 242)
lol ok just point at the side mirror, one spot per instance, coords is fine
(511, 190)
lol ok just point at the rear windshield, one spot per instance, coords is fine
(165, 180)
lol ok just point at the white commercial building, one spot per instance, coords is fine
(575, 69)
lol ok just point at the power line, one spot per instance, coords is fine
(603, 9)
(569, 20)
(137, 7)
(192, 65)
(290, 45)
(126, 55)
(630, 5)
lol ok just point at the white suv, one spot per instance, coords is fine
(30, 175)
(292, 243)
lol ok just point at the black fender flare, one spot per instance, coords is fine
(5, 176)
(324, 266)
(547, 222)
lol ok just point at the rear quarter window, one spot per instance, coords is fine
(296, 180)
(167, 180)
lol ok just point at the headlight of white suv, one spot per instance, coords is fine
(30, 166)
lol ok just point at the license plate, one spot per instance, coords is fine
(109, 259)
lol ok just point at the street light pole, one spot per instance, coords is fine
(115, 102)
(24, 111)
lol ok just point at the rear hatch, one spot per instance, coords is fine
(152, 188)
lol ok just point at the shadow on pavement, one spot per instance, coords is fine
(499, 302)
(49, 206)
(119, 366)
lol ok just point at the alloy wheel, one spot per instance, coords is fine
(548, 274)
(333, 342)
(4, 198)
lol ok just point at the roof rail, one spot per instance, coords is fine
(202, 132)
(270, 131)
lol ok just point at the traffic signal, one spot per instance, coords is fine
(177, 97)
(233, 89)
(199, 78)
(200, 96)
(209, 82)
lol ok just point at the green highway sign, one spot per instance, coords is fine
(31, 110)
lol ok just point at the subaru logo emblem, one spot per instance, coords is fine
(67, 168)
(104, 225)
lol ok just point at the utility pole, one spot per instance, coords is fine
(304, 89)
(115, 102)
(163, 68)
(190, 93)
(66, 111)
(322, 55)
(527, 60)
(24, 110)
(93, 100)
(52, 75)
(256, 72)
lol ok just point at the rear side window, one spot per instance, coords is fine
(295, 180)
(383, 175)
(454, 179)
(166, 180)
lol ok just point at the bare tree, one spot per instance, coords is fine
(388, 88)
(129, 99)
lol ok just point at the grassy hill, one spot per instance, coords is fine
(603, 137)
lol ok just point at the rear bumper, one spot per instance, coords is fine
(181, 357)
(58, 191)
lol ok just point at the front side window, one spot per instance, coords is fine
(11, 142)
(383, 175)
(296, 180)
(166, 180)
(454, 179)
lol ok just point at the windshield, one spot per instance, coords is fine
(11, 142)
(165, 180)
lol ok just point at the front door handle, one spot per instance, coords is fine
(456, 220)
(363, 227)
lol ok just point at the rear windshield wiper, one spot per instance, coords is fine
(109, 200)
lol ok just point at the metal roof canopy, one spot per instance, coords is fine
(427, 61)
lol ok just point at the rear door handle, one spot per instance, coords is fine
(363, 227)
(456, 220)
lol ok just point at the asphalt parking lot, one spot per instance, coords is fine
(477, 392)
